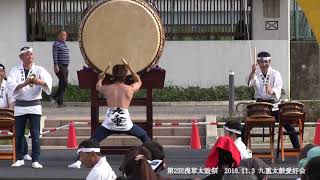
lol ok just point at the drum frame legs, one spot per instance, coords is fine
(9, 155)
(292, 120)
(258, 123)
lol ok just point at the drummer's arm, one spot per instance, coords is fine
(101, 76)
(252, 74)
(136, 79)
(277, 86)
(99, 86)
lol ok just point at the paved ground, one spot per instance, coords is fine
(163, 110)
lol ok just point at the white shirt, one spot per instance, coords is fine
(273, 79)
(3, 95)
(101, 171)
(28, 93)
(244, 151)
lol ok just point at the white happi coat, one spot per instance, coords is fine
(28, 93)
(3, 95)
(244, 151)
(273, 79)
(101, 171)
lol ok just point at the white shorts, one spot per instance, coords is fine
(117, 119)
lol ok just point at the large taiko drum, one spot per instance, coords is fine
(259, 109)
(291, 108)
(116, 29)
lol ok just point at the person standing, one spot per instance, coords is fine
(25, 83)
(7, 101)
(61, 60)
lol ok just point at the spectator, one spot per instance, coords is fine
(233, 130)
(157, 153)
(304, 151)
(224, 145)
(61, 60)
(313, 152)
(312, 169)
(224, 154)
(90, 156)
(135, 165)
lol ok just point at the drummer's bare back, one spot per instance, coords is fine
(119, 94)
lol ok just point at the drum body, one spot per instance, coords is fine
(116, 29)
(291, 108)
(259, 109)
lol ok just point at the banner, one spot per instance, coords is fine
(311, 9)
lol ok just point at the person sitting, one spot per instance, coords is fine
(157, 157)
(312, 169)
(304, 151)
(313, 152)
(90, 156)
(267, 83)
(233, 130)
(224, 154)
(135, 165)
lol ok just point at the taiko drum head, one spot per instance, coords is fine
(116, 29)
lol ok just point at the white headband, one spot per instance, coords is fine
(26, 50)
(264, 58)
(155, 163)
(232, 130)
(1, 67)
(88, 150)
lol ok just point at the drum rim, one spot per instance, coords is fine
(259, 103)
(291, 102)
(147, 7)
(6, 109)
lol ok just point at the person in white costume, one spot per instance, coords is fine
(25, 84)
(233, 129)
(267, 83)
(90, 156)
(7, 101)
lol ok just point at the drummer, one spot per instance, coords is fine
(119, 96)
(267, 83)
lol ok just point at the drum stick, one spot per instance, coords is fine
(255, 55)
(124, 61)
(106, 70)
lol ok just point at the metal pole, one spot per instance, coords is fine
(231, 93)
